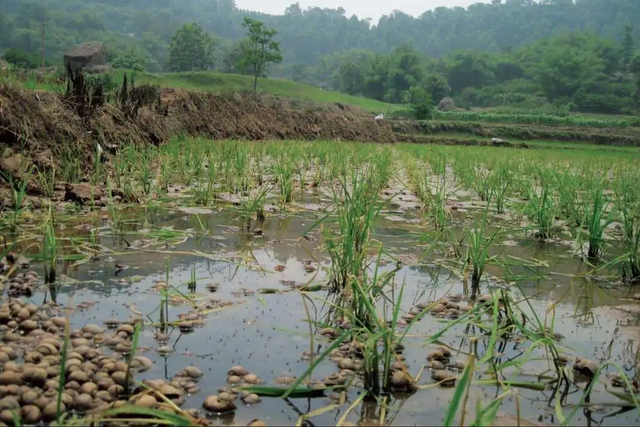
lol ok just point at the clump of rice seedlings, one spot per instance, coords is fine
(142, 168)
(253, 204)
(567, 184)
(18, 194)
(500, 180)
(240, 166)
(165, 172)
(46, 180)
(283, 169)
(540, 205)
(70, 157)
(356, 208)
(431, 190)
(629, 208)
(476, 257)
(598, 216)
(480, 183)
(205, 188)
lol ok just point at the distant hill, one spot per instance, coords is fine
(307, 35)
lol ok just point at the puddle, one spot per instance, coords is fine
(267, 333)
(215, 294)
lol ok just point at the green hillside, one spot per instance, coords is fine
(219, 82)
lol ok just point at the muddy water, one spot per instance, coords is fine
(268, 333)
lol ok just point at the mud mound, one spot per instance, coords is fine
(37, 121)
(242, 116)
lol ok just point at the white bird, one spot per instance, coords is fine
(379, 117)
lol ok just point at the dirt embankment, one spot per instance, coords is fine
(38, 124)
(407, 131)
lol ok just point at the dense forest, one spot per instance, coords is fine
(576, 53)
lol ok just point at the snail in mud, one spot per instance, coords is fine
(401, 381)
(215, 404)
(585, 367)
(444, 378)
(238, 371)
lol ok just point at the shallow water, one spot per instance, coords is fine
(268, 333)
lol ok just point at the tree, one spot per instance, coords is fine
(634, 67)
(419, 102)
(627, 46)
(298, 73)
(128, 59)
(191, 49)
(234, 54)
(264, 50)
(21, 59)
(437, 86)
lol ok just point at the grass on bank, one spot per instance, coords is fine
(219, 82)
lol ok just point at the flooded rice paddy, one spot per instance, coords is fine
(545, 337)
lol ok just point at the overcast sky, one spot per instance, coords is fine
(373, 9)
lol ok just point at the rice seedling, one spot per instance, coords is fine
(567, 183)
(143, 170)
(629, 208)
(50, 249)
(283, 169)
(540, 205)
(204, 192)
(18, 195)
(598, 216)
(356, 209)
(476, 258)
(70, 158)
(46, 180)
(253, 204)
(500, 180)
(192, 282)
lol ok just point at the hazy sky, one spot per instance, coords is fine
(373, 9)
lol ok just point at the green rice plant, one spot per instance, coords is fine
(499, 182)
(192, 281)
(131, 356)
(567, 184)
(476, 257)
(629, 208)
(50, 249)
(540, 205)
(165, 174)
(283, 169)
(240, 167)
(597, 219)
(143, 168)
(356, 208)
(114, 212)
(46, 180)
(18, 194)
(481, 183)
(253, 203)
(64, 351)
(434, 195)
(70, 157)
(205, 188)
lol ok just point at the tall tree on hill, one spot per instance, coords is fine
(627, 46)
(191, 49)
(263, 51)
